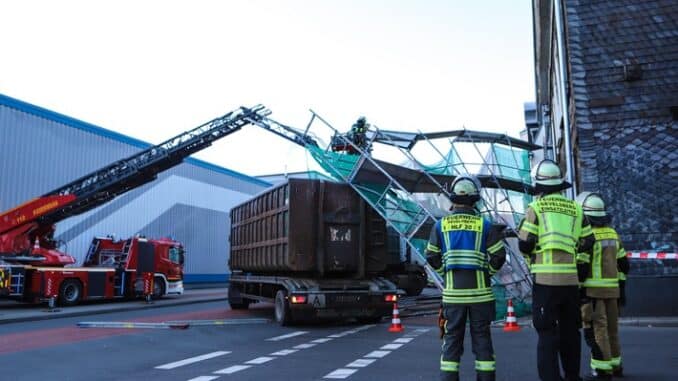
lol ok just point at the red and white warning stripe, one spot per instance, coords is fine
(651, 255)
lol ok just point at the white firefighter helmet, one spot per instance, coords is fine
(465, 190)
(592, 204)
(547, 173)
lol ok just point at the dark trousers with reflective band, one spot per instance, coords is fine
(601, 333)
(556, 317)
(480, 316)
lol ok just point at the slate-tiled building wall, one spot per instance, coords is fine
(623, 68)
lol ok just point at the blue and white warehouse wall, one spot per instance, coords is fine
(43, 150)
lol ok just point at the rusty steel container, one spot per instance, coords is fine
(315, 227)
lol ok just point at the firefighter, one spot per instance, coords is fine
(608, 265)
(553, 231)
(468, 250)
(358, 131)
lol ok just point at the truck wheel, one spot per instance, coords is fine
(70, 292)
(236, 301)
(158, 288)
(282, 309)
(242, 305)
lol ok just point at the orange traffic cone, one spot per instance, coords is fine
(511, 324)
(395, 322)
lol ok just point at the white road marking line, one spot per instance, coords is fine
(304, 346)
(351, 331)
(232, 369)
(323, 340)
(283, 337)
(423, 330)
(361, 363)
(204, 378)
(377, 354)
(391, 346)
(284, 352)
(341, 373)
(259, 360)
(403, 340)
(192, 360)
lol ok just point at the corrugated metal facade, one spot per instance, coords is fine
(43, 150)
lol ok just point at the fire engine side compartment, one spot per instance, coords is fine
(45, 282)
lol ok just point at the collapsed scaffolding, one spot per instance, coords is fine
(412, 195)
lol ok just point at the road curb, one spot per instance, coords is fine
(104, 309)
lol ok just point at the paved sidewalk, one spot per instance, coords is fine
(11, 311)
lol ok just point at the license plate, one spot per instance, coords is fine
(345, 299)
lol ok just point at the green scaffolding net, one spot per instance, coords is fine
(404, 214)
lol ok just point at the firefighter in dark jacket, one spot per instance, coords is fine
(466, 248)
(358, 132)
(599, 308)
(551, 235)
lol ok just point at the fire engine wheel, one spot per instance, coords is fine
(158, 288)
(282, 309)
(70, 292)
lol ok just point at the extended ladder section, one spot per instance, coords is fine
(106, 183)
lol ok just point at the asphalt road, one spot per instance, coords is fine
(57, 349)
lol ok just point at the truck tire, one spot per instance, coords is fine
(70, 292)
(158, 287)
(282, 309)
(242, 305)
(236, 301)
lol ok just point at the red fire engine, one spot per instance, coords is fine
(33, 269)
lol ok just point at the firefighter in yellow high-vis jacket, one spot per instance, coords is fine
(608, 264)
(551, 235)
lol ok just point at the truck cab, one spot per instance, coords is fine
(163, 257)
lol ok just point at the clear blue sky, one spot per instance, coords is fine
(151, 69)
